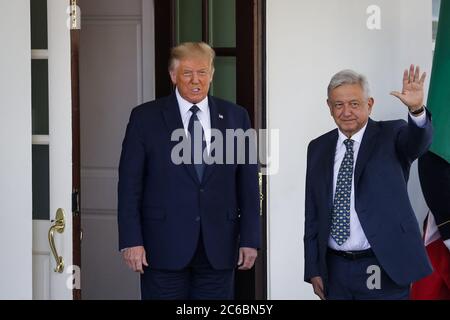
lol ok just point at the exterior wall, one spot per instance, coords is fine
(308, 42)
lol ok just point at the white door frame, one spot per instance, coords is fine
(60, 129)
(48, 284)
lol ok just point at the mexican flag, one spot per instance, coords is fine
(439, 93)
(434, 171)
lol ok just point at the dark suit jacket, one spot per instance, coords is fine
(163, 206)
(381, 199)
(434, 173)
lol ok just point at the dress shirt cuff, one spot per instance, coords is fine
(421, 120)
(447, 244)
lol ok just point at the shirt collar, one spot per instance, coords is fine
(357, 137)
(185, 105)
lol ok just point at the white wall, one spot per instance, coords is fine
(308, 42)
(15, 154)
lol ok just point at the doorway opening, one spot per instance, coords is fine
(119, 68)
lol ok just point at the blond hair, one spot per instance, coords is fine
(191, 50)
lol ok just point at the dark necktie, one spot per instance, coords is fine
(340, 218)
(198, 143)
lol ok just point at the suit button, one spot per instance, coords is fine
(202, 190)
(197, 219)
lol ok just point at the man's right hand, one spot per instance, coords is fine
(317, 284)
(135, 258)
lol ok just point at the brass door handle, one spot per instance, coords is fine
(58, 226)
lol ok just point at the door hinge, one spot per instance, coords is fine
(76, 203)
(74, 12)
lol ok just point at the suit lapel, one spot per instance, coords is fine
(367, 144)
(172, 118)
(217, 124)
(328, 166)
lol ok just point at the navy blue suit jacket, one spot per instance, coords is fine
(381, 199)
(163, 206)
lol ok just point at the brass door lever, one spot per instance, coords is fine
(58, 226)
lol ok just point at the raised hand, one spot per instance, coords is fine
(412, 94)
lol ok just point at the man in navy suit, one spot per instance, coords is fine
(185, 227)
(362, 240)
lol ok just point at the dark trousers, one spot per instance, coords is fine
(356, 279)
(198, 281)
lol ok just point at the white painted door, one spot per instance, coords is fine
(52, 154)
(15, 154)
(36, 141)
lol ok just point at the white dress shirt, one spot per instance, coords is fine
(357, 240)
(203, 116)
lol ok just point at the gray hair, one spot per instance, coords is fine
(349, 77)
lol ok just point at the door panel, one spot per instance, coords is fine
(116, 74)
(224, 84)
(15, 154)
(42, 263)
(189, 20)
(52, 157)
(39, 94)
(39, 37)
(222, 23)
(41, 183)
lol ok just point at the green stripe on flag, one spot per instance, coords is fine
(439, 94)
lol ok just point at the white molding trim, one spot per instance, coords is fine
(41, 140)
(39, 54)
(60, 135)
